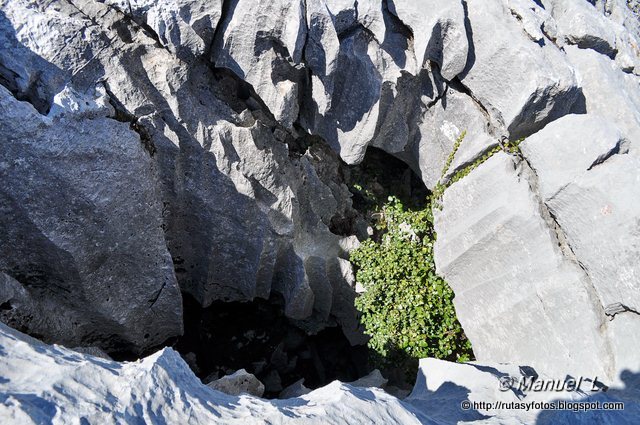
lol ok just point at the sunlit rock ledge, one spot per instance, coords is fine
(41, 383)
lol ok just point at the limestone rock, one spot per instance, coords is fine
(542, 223)
(440, 127)
(588, 178)
(568, 148)
(242, 211)
(439, 33)
(296, 389)
(157, 147)
(37, 378)
(348, 14)
(604, 84)
(516, 290)
(186, 27)
(262, 43)
(374, 379)
(93, 351)
(582, 25)
(522, 84)
(536, 21)
(28, 76)
(83, 252)
(239, 382)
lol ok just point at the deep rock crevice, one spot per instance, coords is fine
(238, 212)
(547, 214)
(258, 337)
(123, 115)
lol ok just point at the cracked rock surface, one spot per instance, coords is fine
(541, 248)
(212, 196)
(149, 149)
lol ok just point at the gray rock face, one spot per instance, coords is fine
(440, 127)
(82, 249)
(439, 33)
(515, 289)
(296, 389)
(541, 248)
(521, 83)
(93, 351)
(596, 206)
(562, 219)
(242, 210)
(378, 74)
(374, 379)
(262, 43)
(582, 25)
(25, 74)
(625, 14)
(604, 84)
(185, 27)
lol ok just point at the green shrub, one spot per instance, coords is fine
(407, 309)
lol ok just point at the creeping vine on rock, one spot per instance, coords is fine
(511, 147)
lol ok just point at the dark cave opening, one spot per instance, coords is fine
(371, 182)
(384, 175)
(256, 336)
(225, 337)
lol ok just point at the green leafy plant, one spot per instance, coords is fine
(407, 309)
(510, 147)
(452, 155)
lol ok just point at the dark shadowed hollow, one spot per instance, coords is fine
(258, 337)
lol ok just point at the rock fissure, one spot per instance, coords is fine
(497, 130)
(621, 148)
(155, 298)
(397, 23)
(472, 162)
(90, 18)
(148, 31)
(29, 95)
(612, 310)
(442, 93)
(226, 12)
(529, 173)
(123, 115)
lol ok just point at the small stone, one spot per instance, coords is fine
(238, 383)
(93, 351)
(296, 389)
(192, 360)
(373, 379)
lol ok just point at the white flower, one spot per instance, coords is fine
(408, 231)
